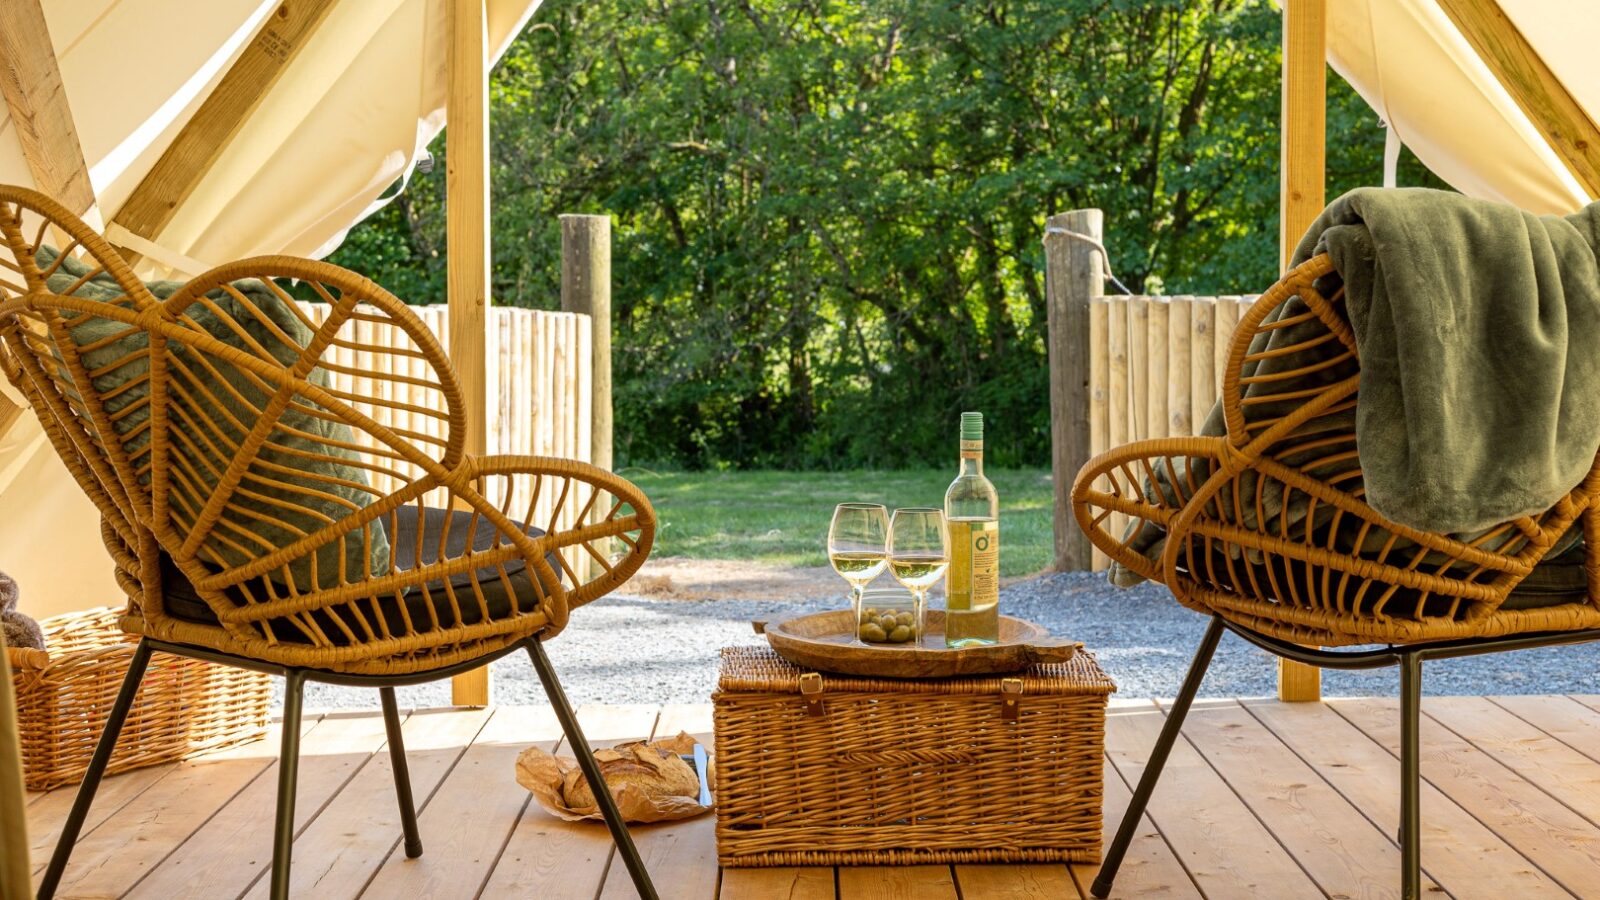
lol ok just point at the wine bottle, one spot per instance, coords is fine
(972, 508)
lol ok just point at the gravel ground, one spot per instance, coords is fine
(632, 650)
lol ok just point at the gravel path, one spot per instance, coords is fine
(633, 650)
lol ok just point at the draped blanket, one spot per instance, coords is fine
(1478, 327)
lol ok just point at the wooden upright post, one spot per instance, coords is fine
(1072, 280)
(1302, 195)
(467, 241)
(586, 288)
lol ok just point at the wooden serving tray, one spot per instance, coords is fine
(824, 641)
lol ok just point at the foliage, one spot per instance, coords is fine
(781, 518)
(828, 212)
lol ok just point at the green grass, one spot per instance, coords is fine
(782, 517)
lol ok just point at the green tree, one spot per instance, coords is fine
(828, 212)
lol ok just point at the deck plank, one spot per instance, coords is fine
(552, 859)
(337, 854)
(789, 883)
(680, 856)
(1458, 851)
(473, 812)
(135, 839)
(1337, 846)
(1031, 881)
(1260, 799)
(1563, 718)
(1553, 838)
(225, 856)
(47, 814)
(1224, 848)
(1557, 767)
(1150, 869)
(896, 883)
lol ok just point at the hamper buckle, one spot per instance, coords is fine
(1010, 699)
(811, 692)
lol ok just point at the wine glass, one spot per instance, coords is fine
(856, 545)
(919, 551)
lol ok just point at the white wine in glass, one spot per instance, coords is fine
(918, 572)
(857, 545)
(919, 551)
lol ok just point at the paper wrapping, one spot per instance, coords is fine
(649, 779)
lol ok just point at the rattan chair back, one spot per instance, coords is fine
(208, 430)
(1267, 525)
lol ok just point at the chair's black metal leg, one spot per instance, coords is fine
(591, 772)
(402, 776)
(294, 682)
(1158, 759)
(96, 770)
(1411, 776)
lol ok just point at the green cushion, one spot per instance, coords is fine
(298, 481)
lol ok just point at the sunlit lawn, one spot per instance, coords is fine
(782, 517)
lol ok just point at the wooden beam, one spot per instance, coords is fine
(30, 79)
(152, 205)
(1302, 194)
(467, 242)
(1559, 119)
(1073, 278)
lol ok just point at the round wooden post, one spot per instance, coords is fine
(1073, 278)
(586, 288)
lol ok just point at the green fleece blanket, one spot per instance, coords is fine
(1478, 327)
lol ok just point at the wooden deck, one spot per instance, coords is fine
(1262, 799)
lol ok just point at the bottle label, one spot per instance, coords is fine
(974, 576)
(972, 449)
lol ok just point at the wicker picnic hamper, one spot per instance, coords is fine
(185, 706)
(816, 769)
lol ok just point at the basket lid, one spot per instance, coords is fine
(761, 670)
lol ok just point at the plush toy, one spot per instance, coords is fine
(20, 630)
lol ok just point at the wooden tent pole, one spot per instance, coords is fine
(1302, 195)
(30, 82)
(1558, 117)
(154, 203)
(467, 241)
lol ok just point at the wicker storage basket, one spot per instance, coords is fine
(64, 694)
(836, 770)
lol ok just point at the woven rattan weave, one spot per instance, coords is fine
(202, 471)
(1359, 578)
(843, 770)
(186, 706)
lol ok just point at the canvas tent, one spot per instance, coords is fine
(1453, 77)
(187, 161)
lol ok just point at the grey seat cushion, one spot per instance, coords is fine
(1557, 580)
(420, 538)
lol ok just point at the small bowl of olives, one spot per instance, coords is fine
(889, 617)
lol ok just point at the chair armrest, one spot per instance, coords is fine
(593, 519)
(1125, 499)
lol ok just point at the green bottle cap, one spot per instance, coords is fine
(971, 426)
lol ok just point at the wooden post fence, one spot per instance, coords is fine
(1072, 280)
(586, 289)
(1152, 367)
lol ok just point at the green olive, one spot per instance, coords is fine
(900, 634)
(870, 612)
(904, 618)
(873, 633)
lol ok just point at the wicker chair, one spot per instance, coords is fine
(1266, 531)
(260, 516)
